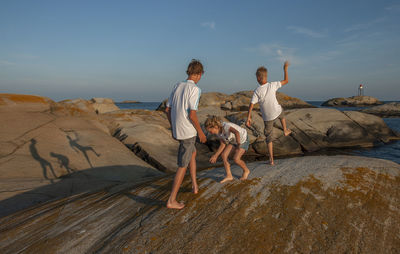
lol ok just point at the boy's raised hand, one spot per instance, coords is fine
(286, 64)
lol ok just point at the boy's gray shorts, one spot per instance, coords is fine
(269, 127)
(186, 149)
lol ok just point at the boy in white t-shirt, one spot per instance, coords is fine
(230, 135)
(265, 94)
(181, 111)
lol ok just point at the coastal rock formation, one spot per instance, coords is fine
(148, 134)
(354, 101)
(391, 109)
(46, 155)
(103, 105)
(338, 204)
(240, 101)
(82, 107)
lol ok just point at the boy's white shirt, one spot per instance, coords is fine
(266, 96)
(230, 137)
(184, 97)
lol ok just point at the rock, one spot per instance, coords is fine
(240, 101)
(39, 149)
(78, 107)
(373, 124)
(212, 99)
(148, 134)
(391, 109)
(318, 204)
(31, 103)
(74, 107)
(283, 146)
(354, 101)
(320, 128)
(103, 105)
(130, 101)
(288, 102)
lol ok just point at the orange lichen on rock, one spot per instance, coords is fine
(22, 98)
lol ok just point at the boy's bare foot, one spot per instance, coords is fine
(271, 163)
(287, 132)
(195, 189)
(245, 175)
(175, 205)
(227, 179)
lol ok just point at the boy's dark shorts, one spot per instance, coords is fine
(269, 127)
(185, 151)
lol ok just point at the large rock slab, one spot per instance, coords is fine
(39, 148)
(148, 134)
(30, 103)
(339, 204)
(320, 128)
(354, 101)
(391, 109)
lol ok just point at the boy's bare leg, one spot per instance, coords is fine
(286, 131)
(172, 203)
(192, 170)
(237, 158)
(224, 156)
(271, 153)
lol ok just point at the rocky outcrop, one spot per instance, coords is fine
(103, 105)
(82, 107)
(46, 155)
(338, 204)
(391, 109)
(240, 101)
(355, 101)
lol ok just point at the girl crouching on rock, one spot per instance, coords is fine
(231, 136)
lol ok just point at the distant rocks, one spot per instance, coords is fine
(130, 101)
(355, 101)
(387, 110)
(311, 204)
(81, 106)
(240, 101)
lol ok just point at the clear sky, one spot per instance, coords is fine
(139, 49)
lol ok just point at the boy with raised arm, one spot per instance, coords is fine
(181, 111)
(265, 94)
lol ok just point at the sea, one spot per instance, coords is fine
(389, 151)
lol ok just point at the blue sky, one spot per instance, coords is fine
(140, 49)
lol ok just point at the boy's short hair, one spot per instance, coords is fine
(195, 67)
(261, 71)
(213, 121)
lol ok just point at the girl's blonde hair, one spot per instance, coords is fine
(213, 121)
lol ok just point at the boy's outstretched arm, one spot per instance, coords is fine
(221, 147)
(195, 122)
(248, 122)
(285, 73)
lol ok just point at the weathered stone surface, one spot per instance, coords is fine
(320, 128)
(30, 103)
(391, 109)
(81, 106)
(354, 101)
(339, 204)
(40, 148)
(103, 105)
(74, 107)
(240, 101)
(373, 124)
(148, 134)
(283, 146)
